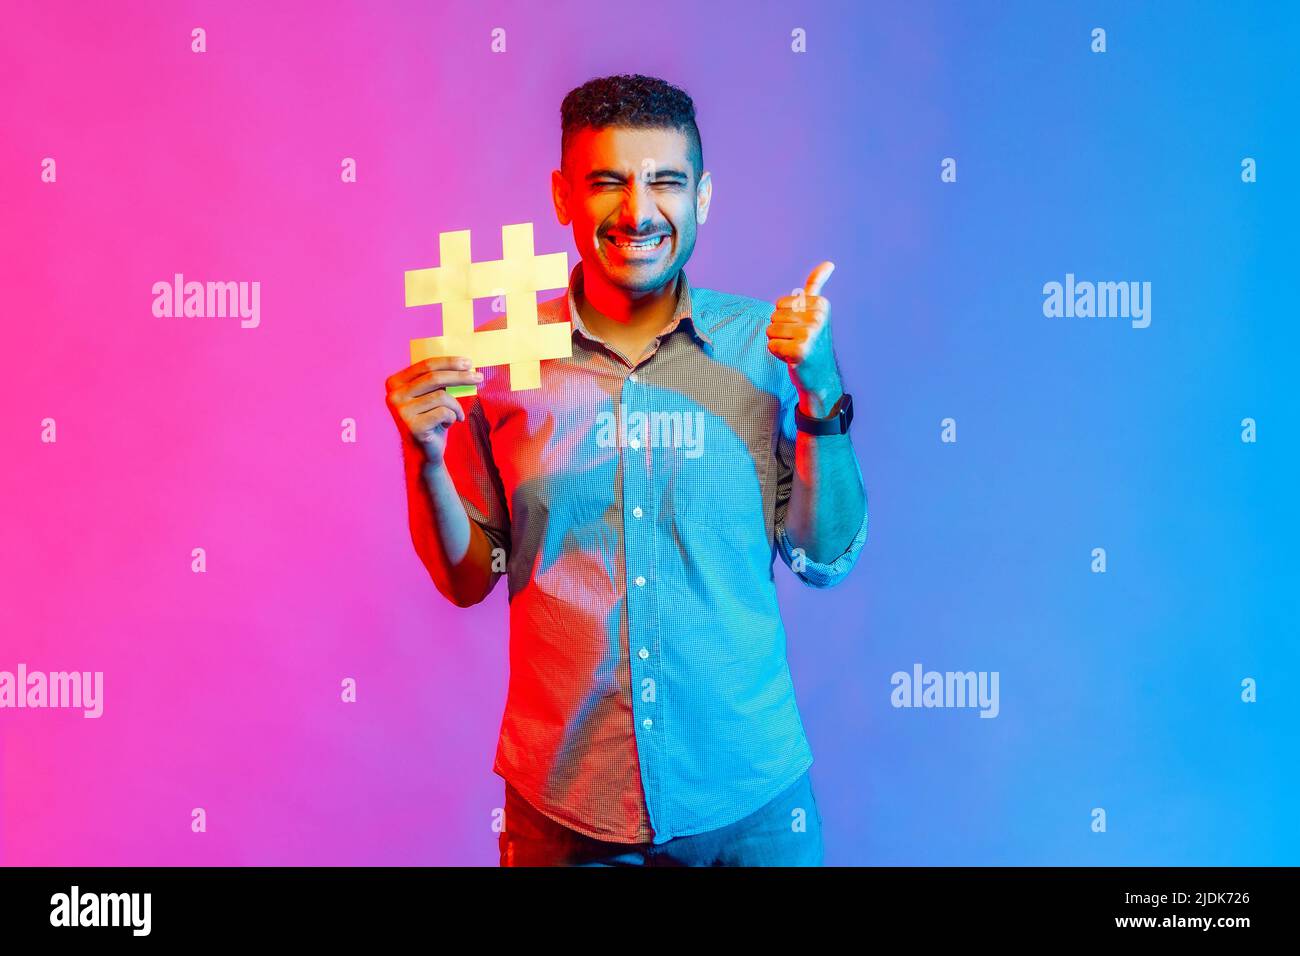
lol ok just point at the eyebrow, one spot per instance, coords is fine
(674, 174)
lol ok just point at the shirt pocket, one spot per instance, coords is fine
(720, 482)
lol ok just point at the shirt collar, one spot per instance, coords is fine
(683, 310)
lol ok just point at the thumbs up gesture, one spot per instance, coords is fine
(799, 334)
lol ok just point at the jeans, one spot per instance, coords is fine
(786, 831)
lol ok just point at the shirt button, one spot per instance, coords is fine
(632, 377)
(640, 581)
(643, 653)
(647, 723)
(637, 512)
(635, 443)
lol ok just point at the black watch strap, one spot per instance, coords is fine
(835, 423)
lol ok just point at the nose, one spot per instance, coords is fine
(638, 207)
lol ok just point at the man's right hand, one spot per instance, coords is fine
(421, 407)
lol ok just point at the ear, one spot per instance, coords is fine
(560, 196)
(703, 196)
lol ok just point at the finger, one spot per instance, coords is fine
(417, 368)
(793, 331)
(803, 304)
(817, 278)
(438, 380)
(432, 422)
(784, 350)
(438, 399)
(432, 364)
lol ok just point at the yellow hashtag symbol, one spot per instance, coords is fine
(518, 275)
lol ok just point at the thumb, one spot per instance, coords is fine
(817, 278)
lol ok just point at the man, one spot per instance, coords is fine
(636, 502)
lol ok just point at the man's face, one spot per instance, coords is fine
(634, 201)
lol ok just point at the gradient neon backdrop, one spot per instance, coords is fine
(1118, 690)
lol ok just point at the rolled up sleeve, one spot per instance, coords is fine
(815, 574)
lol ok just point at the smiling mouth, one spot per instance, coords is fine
(624, 244)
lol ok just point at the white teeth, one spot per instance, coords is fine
(648, 244)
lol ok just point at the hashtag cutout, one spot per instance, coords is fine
(519, 275)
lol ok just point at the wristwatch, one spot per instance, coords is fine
(835, 423)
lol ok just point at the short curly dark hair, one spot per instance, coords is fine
(630, 99)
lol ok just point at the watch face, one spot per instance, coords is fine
(843, 414)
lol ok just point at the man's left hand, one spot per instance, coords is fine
(799, 334)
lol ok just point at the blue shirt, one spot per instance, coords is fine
(637, 509)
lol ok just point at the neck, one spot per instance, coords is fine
(602, 304)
